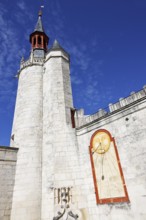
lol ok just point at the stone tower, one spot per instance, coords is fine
(47, 174)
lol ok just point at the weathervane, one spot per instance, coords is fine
(41, 7)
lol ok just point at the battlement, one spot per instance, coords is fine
(81, 119)
(32, 60)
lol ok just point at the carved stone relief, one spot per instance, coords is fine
(63, 201)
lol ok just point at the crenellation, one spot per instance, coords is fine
(82, 120)
(31, 61)
(123, 102)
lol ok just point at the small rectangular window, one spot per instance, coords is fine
(73, 117)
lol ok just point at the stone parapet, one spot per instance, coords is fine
(31, 61)
(134, 96)
(81, 119)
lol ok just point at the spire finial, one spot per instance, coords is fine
(40, 13)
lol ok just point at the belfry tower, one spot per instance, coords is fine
(47, 181)
(38, 39)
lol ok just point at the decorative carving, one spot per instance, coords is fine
(59, 216)
(70, 213)
(63, 194)
(63, 197)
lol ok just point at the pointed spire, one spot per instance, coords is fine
(39, 39)
(39, 25)
(56, 45)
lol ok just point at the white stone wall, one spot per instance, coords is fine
(27, 133)
(8, 157)
(128, 127)
(60, 164)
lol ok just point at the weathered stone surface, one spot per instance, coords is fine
(60, 165)
(7, 176)
(128, 127)
(27, 131)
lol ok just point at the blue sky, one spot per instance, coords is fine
(106, 40)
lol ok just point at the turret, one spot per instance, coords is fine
(43, 131)
(27, 131)
(38, 39)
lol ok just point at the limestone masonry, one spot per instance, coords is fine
(63, 164)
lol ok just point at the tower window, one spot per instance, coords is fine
(39, 40)
(72, 117)
(44, 42)
(34, 41)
